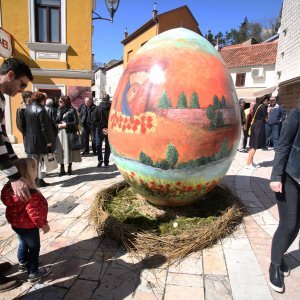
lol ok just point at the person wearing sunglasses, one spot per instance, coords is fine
(14, 78)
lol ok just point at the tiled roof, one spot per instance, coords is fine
(250, 55)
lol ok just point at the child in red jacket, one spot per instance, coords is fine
(26, 217)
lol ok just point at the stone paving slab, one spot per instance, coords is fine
(87, 266)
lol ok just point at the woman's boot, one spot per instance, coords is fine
(70, 169)
(62, 170)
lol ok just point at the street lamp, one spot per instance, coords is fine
(112, 6)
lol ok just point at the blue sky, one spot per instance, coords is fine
(216, 15)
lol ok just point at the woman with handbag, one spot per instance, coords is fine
(67, 124)
(257, 130)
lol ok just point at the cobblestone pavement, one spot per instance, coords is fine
(85, 266)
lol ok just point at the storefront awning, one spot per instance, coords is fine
(265, 91)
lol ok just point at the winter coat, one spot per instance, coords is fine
(102, 114)
(20, 119)
(52, 113)
(287, 155)
(39, 131)
(83, 115)
(22, 213)
(70, 117)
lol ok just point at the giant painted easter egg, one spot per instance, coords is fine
(174, 123)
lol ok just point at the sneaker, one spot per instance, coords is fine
(275, 278)
(42, 272)
(22, 267)
(284, 269)
(7, 284)
(256, 165)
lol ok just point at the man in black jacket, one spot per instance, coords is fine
(87, 123)
(101, 119)
(20, 116)
(52, 113)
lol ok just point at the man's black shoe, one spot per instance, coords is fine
(275, 278)
(7, 284)
(99, 164)
(4, 267)
(41, 183)
(84, 153)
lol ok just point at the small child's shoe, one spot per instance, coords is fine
(22, 267)
(42, 272)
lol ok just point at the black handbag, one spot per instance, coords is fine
(75, 140)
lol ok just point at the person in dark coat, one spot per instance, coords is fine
(285, 182)
(67, 123)
(20, 115)
(39, 134)
(52, 113)
(87, 124)
(257, 135)
(101, 121)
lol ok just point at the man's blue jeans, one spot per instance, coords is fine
(29, 248)
(272, 134)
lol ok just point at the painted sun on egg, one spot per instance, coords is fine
(174, 122)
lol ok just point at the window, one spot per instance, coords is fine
(129, 55)
(47, 21)
(240, 79)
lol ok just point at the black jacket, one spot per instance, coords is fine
(52, 113)
(287, 155)
(102, 114)
(70, 117)
(83, 114)
(38, 130)
(20, 119)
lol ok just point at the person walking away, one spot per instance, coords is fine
(88, 128)
(101, 119)
(52, 113)
(276, 115)
(26, 218)
(39, 134)
(248, 116)
(241, 147)
(257, 135)
(67, 123)
(285, 182)
(20, 115)
(14, 78)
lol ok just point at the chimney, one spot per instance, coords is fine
(154, 12)
(125, 33)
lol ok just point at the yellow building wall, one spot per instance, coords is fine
(136, 43)
(173, 19)
(15, 20)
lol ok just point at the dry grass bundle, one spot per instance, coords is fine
(174, 246)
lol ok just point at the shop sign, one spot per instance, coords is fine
(5, 44)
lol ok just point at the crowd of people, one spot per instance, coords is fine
(47, 129)
(261, 125)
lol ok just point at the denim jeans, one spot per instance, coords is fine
(100, 138)
(29, 248)
(87, 131)
(272, 134)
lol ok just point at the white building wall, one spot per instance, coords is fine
(112, 79)
(100, 81)
(288, 53)
(269, 79)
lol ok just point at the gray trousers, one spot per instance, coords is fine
(40, 164)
